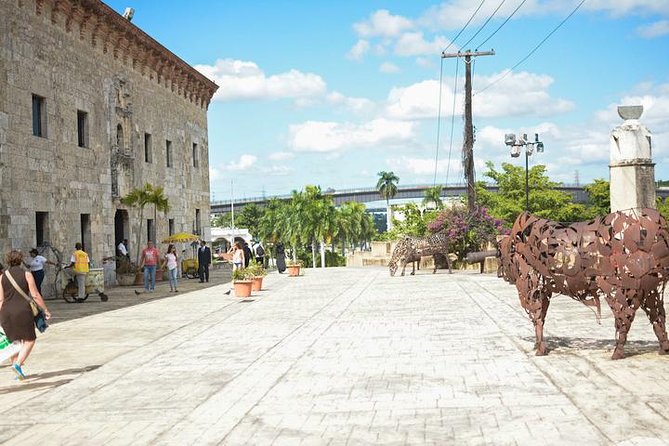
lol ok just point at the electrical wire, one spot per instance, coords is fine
(464, 45)
(503, 23)
(436, 156)
(509, 71)
(464, 27)
(455, 95)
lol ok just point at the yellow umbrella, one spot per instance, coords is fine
(182, 237)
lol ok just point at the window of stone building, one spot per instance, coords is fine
(85, 220)
(120, 142)
(41, 228)
(148, 157)
(82, 128)
(39, 116)
(170, 225)
(168, 153)
(196, 156)
(198, 223)
(150, 230)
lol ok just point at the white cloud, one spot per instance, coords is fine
(518, 94)
(414, 44)
(245, 162)
(382, 23)
(215, 174)
(280, 156)
(240, 80)
(424, 62)
(417, 101)
(318, 136)
(619, 8)
(387, 67)
(655, 29)
(277, 171)
(358, 51)
(425, 166)
(356, 105)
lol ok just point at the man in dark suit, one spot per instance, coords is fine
(203, 261)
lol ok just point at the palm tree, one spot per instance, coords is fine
(387, 187)
(160, 203)
(139, 198)
(433, 195)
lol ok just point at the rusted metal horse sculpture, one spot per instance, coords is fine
(411, 249)
(623, 257)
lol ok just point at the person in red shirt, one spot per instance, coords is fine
(149, 260)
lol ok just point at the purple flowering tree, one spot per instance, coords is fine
(467, 232)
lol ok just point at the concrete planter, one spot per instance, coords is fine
(127, 279)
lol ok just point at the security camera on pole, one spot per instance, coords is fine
(516, 145)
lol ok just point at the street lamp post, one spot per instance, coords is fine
(516, 145)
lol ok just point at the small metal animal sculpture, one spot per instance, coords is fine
(623, 257)
(411, 249)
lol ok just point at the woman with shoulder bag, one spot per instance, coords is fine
(16, 315)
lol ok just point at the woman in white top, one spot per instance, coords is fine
(237, 256)
(36, 264)
(170, 260)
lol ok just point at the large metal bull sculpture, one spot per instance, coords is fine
(623, 257)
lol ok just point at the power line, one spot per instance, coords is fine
(436, 156)
(455, 95)
(533, 50)
(484, 24)
(464, 27)
(503, 23)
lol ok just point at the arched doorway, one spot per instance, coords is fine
(121, 226)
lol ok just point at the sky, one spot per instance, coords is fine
(331, 93)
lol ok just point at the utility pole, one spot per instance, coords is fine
(468, 144)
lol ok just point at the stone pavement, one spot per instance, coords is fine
(339, 356)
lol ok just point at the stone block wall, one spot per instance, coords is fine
(84, 66)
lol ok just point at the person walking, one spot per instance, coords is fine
(203, 261)
(170, 260)
(16, 316)
(237, 256)
(149, 260)
(280, 258)
(258, 252)
(80, 264)
(248, 255)
(36, 264)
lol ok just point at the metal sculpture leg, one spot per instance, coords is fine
(654, 309)
(624, 309)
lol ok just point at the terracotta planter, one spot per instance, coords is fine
(294, 271)
(257, 283)
(243, 288)
(139, 279)
(125, 279)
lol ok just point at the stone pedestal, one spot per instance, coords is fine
(632, 171)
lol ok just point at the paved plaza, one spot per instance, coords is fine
(337, 356)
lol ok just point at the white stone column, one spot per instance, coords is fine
(632, 171)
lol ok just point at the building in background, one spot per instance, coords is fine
(92, 107)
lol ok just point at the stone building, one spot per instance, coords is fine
(92, 107)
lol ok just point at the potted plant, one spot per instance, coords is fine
(242, 282)
(125, 271)
(257, 273)
(294, 267)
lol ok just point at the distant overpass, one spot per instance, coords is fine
(370, 194)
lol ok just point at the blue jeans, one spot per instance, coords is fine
(149, 277)
(173, 278)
